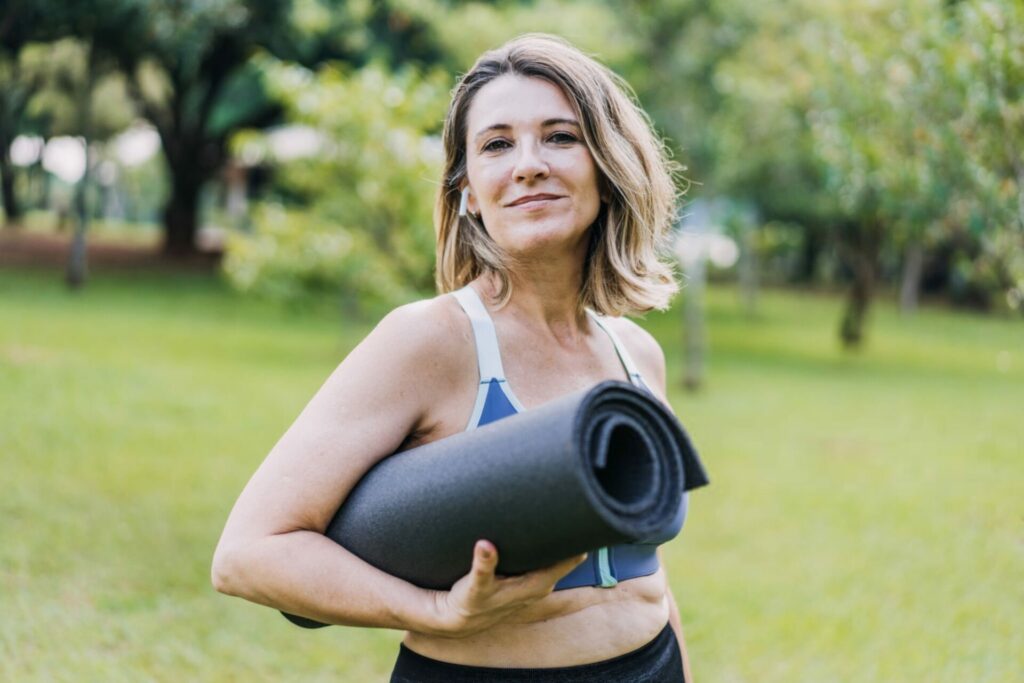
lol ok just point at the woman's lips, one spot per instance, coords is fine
(533, 202)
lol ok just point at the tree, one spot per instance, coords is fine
(357, 221)
(849, 120)
(81, 28)
(989, 82)
(189, 66)
(21, 22)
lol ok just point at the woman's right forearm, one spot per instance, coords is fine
(307, 574)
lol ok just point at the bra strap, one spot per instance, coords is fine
(620, 349)
(487, 354)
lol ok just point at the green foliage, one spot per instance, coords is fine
(470, 28)
(873, 126)
(989, 78)
(362, 226)
(60, 68)
(21, 22)
(193, 75)
(182, 68)
(868, 127)
(777, 245)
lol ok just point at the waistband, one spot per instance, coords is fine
(656, 662)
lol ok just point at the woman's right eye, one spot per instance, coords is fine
(495, 145)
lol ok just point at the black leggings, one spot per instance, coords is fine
(659, 661)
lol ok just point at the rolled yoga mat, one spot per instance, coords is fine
(601, 467)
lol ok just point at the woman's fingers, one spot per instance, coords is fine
(485, 561)
(540, 582)
(529, 586)
(560, 569)
(480, 598)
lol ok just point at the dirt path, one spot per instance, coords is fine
(24, 248)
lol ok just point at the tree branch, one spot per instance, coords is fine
(225, 56)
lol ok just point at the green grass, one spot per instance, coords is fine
(865, 521)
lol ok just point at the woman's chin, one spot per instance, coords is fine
(542, 237)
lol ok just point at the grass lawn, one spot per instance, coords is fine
(865, 521)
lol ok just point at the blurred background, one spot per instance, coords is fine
(208, 203)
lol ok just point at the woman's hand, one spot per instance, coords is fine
(481, 599)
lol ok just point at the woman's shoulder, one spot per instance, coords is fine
(435, 315)
(432, 333)
(643, 348)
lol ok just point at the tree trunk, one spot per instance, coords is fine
(77, 258)
(910, 285)
(693, 308)
(693, 305)
(78, 264)
(852, 327)
(748, 269)
(41, 186)
(181, 222)
(190, 164)
(810, 250)
(861, 251)
(12, 209)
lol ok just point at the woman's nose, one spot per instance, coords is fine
(530, 164)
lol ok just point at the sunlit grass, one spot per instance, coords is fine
(865, 521)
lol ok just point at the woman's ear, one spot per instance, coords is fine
(468, 204)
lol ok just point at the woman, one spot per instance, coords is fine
(556, 196)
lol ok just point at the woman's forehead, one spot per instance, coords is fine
(513, 100)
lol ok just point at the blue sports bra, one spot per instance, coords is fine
(495, 400)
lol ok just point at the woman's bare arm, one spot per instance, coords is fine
(272, 550)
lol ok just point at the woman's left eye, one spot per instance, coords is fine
(563, 138)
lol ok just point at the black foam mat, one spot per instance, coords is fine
(600, 467)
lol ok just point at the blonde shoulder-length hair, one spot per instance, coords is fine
(625, 270)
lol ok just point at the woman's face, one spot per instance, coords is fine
(531, 177)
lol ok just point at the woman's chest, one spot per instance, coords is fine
(540, 370)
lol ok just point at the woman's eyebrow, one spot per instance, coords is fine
(545, 124)
(488, 129)
(556, 122)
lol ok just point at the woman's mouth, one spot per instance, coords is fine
(534, 200)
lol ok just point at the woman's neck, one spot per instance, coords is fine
(546, 296)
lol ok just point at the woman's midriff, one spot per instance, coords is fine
(566, 628)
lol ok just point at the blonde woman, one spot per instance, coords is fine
(555, 200)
